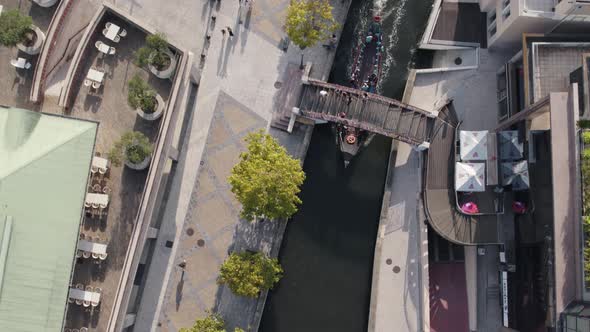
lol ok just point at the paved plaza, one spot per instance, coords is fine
(244, 80)
(208, 231)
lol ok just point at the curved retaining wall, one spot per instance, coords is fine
(48, 48)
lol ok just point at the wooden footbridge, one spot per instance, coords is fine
(334, 103)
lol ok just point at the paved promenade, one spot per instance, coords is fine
(399, 271)
(240, 88)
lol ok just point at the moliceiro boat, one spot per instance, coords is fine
(365, 74)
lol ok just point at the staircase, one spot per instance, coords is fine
(281, 122)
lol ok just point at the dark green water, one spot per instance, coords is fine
(327, 251)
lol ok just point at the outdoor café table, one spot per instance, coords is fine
(78, 294)
(95, 75)
(21, 62)
(100, 199)
(112, 31)
(96, 248)
(100, 163)
(104, 48)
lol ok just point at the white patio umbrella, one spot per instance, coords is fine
(516, 174)
(474, 145)
(469, 176)
(510, 147)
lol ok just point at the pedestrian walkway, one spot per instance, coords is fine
(241, 85)
(399, 272)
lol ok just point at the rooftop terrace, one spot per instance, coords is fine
(15, 85)
(461, 22)
(108, 106)
(552, 65)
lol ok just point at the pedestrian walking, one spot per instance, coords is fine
(331, 43)
(223, 32)
(231, 33)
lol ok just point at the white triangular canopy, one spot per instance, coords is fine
(516, 174)
(469, 176)
(473, 145)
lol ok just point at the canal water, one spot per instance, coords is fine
(328, 247)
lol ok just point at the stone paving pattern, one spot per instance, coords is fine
(213, 216)
(244, 80)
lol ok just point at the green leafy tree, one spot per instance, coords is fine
(141, 95)
(247, 273)
(154, 52)
(13, 27)
(309, 21)
(133, 146)
(267, 180)
(211, 323)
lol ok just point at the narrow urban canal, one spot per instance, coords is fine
(327, 251)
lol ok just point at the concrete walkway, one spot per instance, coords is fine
(399, 273)
(240, 88)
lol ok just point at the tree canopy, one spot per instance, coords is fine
(247, 273)
(309, 21)
(211, 323)
(13, 27)
(266, 180)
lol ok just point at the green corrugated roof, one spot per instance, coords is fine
(44, 166)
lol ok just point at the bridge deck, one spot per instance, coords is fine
(366, 111)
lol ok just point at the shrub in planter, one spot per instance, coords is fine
(141, 95)
(15, 28)
(133, 147)
(154, 52)
(586, 137)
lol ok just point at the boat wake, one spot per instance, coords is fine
(393, 14)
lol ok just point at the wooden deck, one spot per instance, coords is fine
(439, 192)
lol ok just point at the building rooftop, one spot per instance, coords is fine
(552, 64)
(43, 175)
(461, 23)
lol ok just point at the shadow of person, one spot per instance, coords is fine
(220, 59)
(229, 45)
(179, 288)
